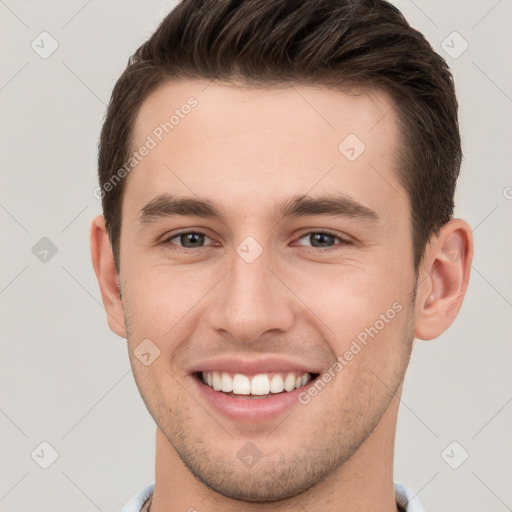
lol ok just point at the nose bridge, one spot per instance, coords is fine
(252, 300)
(249, 274)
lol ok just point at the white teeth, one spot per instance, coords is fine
(276, 384)
(289, 382)
(241, 385)
(260, 384)
(227, 383)
(216, 381)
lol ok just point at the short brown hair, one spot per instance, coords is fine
(323, 42)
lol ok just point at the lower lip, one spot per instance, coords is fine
(250, 409)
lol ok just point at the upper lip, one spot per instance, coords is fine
(247, 366)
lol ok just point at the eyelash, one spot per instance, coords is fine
(342, 243)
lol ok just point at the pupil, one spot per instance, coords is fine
(185, 239)
(322, 238)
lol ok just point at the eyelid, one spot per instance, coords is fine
(167, 238)
(343, 241)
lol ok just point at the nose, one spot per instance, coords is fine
(252, 300)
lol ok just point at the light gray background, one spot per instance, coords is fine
(66, 379)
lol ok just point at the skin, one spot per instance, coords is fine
(248, 150)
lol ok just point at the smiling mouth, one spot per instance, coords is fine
(262, 385)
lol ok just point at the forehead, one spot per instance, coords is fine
(226, 108)
(255, 145)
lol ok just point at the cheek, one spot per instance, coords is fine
(160, 295)
(161, 305)
(366, 314)
(348, 297)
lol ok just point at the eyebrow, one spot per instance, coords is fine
(165, 205)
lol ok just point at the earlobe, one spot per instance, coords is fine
(106, 274)
(444, 279)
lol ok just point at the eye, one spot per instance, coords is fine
(188, 239)
(323, 239)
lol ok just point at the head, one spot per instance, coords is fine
(264, 123)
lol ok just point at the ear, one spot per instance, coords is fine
(443, 279)
(106, 273)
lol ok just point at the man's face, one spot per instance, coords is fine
(255, 286)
